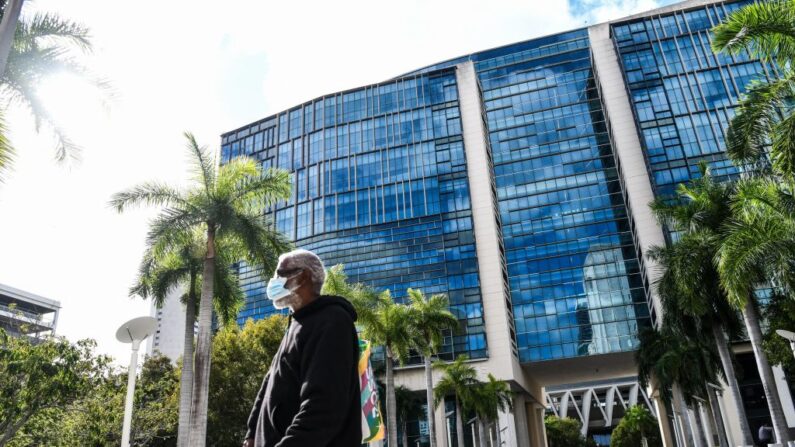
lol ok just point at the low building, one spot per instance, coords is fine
(23, 313)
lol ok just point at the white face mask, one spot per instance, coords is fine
(277, 291)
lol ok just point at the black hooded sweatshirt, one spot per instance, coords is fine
(311, 396)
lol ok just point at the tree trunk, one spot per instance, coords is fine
(201, 384)
(429, 398)
(684, 417)
(186, 379)
(497, 434)
(391, 408)
(765, 372)
(459, 422)
(717, 416)
(8, 27)
(405, 435)
(731, 381)
(483, 440)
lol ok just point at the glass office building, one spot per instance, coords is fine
(380, 186)
(683, 95)
(515, 181)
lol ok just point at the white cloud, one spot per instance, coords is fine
(207, 67)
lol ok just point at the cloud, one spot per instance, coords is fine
(598, 11)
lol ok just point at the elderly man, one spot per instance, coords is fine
(310, 397)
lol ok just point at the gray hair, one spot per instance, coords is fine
(307, 260)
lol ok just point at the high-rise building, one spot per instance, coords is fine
(169, 337)
(25, 314)
(515, 181)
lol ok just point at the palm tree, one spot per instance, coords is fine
(224, 202)
(765, 30)
(702, 214)
(178, 263)
(41, 46)
(759, 246)
(390, 326)
(488, 399)
(408, 408)
(690, 282)
(678, 362)
(431, 319)
(458, 379)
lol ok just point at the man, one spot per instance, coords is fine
(311, 396)
(765, 434)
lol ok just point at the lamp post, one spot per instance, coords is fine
(134, 331)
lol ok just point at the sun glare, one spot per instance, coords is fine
(72, 103)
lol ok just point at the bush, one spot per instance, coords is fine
(565, 432)
(636, 424)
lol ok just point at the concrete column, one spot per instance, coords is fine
(784, 395)
(521, 434)
(497, 314)
(441, 426)
(535, 425)
(706, 424)
(730, 416)
(627, 150)
(668, 436)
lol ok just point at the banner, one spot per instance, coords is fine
(372, 421)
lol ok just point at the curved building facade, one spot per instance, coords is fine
(515, 181)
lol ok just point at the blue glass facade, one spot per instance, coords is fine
(380, 185)
(682, 94)
(574, 277)
(381, 180)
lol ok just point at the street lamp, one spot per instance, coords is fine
(790, 336)
(134, 331)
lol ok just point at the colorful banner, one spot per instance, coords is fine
(372, 422)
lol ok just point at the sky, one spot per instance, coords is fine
(205, 67)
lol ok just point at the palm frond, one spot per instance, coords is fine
(263, 243)
(431, 318)
(151, 193)
(23, 92)
(458, 378)
(48, 27)
(167, 280)
(748, 135)
(271, 186)
(235, 174)
(41, 46)
(229, 297)
(336, 282)
(759, 196)
(782, 150)
(765, 29)
(171, 223)
(203, 163)
(750, 245)
(6, 149)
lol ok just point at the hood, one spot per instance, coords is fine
(323, 302)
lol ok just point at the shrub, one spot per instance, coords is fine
(636, 424)
(565, 432)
